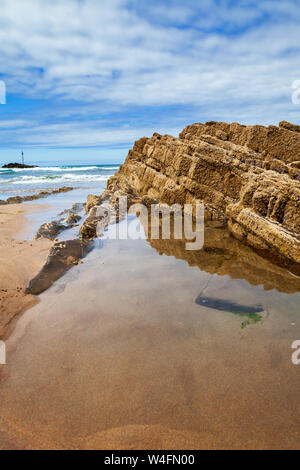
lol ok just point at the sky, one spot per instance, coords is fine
(85, 78)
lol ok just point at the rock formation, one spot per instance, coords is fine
(247, 176)
(50, 230)
(34, 197)
(62, 256)
(73, 218)
(18, 165)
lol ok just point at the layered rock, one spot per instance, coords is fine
(73, 218)
(62, 257)
(247, 176)
(88, 229)
(50, 230)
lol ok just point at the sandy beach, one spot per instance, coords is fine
(20, 261)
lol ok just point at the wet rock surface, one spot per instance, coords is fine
(77, 207)
(18, 165)
(107, 212)
(14, 200)
(72, 218)
(34, 197)
(69, 219)
(89, 228)
(92, 201)
(100, 214)
(50, 230)
(62, 256)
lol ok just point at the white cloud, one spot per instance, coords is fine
(14, 123)
(225, 63)
(89, 133)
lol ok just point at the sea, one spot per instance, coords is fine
(31, 180)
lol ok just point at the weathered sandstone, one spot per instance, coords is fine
(247, 176)
(50, 230)
(92, 201)
(89, 227)
(72, 218)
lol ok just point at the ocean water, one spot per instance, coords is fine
(22, 181)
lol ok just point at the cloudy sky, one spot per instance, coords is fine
(85, 78)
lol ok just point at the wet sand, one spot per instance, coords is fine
(20, 261)
(118, 355)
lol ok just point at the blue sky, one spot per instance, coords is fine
(85, 78)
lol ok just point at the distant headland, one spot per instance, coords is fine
(18, 165)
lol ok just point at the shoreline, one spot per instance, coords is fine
(34, 197)
(20, 261)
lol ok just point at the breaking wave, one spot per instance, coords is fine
(58, 178)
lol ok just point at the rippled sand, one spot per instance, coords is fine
(119, 355)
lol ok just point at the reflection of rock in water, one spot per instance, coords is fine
(224, 255)
(251, 312)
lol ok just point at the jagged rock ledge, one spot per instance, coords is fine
(62, 257)
(70, 219)
(247, 176)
